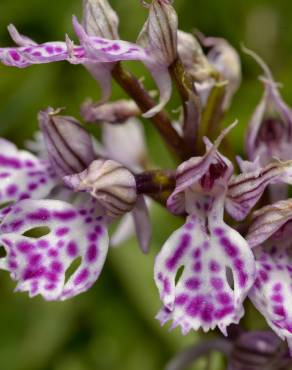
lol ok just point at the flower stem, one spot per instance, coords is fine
(187, 357)
(191, 104)
(144, 101)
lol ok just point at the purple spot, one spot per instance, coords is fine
(32, 186)
(214, 266)
(14, 55)
(115, 47)
(197, 253)
(207, 312)
(229, 248)
(12, 265)
(50, 286)
(277, 287)
(56, 266)
(239, 264)
(193, 283)
(62, 231)
(279, 310)
(277, 298)
(91, 254)
(217, 283)
(24, 247)
(42, 243)
(224, 298)
(11, 190)
(16, 225)
(195, 305)
(181, 299)
(263, 275)
(64, 215)
(218, 231)
(37, 54)
(51, 276)
(60, 243)
(219, 314)
(49, 49)
(72, 249)
(81, 277)
(88, 220)
(243, 277)
(33, 274)
(24, 196)
(40, 215)
(35, 259)
(53, 252)
(92, 237)
(197, 266)
(9, 162)
(172, 262)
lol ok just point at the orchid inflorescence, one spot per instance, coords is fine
(57, 204)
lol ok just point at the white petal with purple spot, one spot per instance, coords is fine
(22, 175)
(40, 264)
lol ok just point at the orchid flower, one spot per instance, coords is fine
(269, 133)
(212, 253)
(270, 238)
(210, 291)
(222, 61)
(77, 230)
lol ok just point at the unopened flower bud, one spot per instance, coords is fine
(259, 350)
(116, 112)
(99, 19)
(159, 33)
(193, 57)
(68, 145)
(110, 183)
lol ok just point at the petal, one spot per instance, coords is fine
(142, 224)
(218, 273)
(162, 78)
(246, 189)
(101, 72)
(40, 264)
(272, 291)
(268, 220)
(68, 144)
(124, 231)
(191, 171)
(254, 127)
(271, 107)
(113, 185)
(25, 56)
(103, 50)
(126, 143)
(22, 176)
(137, 221)
(19, 39)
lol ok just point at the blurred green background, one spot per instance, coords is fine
(112, 326)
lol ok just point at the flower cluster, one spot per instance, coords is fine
(56, 205)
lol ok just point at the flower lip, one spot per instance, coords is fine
(202, 174)
(272, 131)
